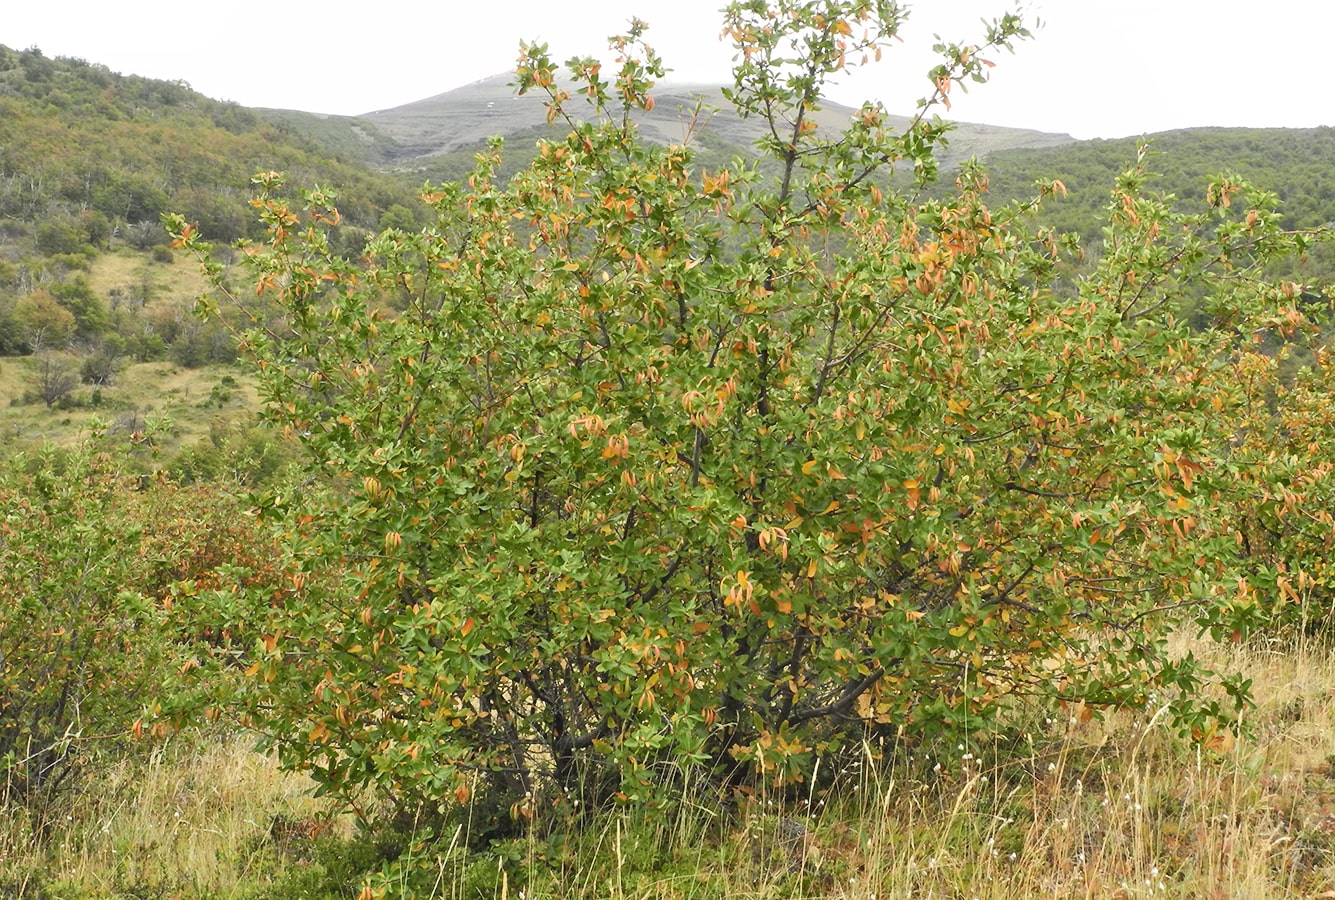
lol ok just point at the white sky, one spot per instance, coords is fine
(1097, 68)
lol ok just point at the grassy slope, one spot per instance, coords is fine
(158, 391)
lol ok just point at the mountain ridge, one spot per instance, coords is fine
(463, 118)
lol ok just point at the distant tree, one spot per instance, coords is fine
(53, 377)
(36, 67)
(12, 335)
(77, 295)
(220, 216)
(44, 322)
(399, 217)
(99, 368)
(144, 235)
(129, 197)
(62, 235)
(96, 228)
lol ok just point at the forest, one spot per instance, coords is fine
(621, 518)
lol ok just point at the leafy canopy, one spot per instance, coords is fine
(626, 467)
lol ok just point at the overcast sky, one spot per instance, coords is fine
(1097, 68)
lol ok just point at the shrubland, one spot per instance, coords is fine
(656, 516)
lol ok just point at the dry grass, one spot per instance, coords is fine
(169, 284)
(1122, 808)
(191, 822)
(176, 405)
(1119, 808)
(179, 399)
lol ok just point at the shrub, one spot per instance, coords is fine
(78, 643)
(99, 369)
(1286, 527)
(61, 236)
(660, 468)
(89, 558)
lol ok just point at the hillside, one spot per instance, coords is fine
(424, 134)
(92, 301)
(1297, 164)
(90, 160)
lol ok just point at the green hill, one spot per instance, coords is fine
(90, 297)
(90, 159)
(1297, 164)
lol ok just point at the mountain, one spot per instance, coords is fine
(426, 133)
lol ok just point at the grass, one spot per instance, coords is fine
(133, 273)
(194, 820)
(175, 406)
(1119, 808)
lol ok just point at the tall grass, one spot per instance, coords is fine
(195, 820)
(1112, 808)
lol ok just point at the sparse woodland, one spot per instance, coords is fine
(625, 524)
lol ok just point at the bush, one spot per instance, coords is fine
(662, 469)
(79, 645)
(89, 560)
(143, 235)
(250, 457)
(61, 236)
(99, 369)
(1287, 528)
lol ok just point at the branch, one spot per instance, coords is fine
(839, 707)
